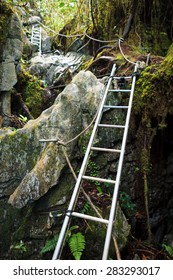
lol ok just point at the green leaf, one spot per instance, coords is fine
(69, 232)
(20, 246)
(77, 245)
(168, 249)
(50, 245)
(85, 208)
(99, 189)
(22, 118)
(61, 4)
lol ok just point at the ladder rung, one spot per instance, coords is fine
(99, 179)
(115, 107)
(48, 140)
(111, 125)
(105, 150)
(88, 217)
(118, 78)
(120, 90)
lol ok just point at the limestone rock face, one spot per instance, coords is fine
(11, 52)
(121, 228)
(29, 168)
(52, 66)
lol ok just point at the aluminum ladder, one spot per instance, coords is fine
(70, 211)
(36, 36)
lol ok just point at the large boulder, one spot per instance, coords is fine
(52, 66)
(29, 168)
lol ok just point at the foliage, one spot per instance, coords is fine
(50, 245)
(75, 241)
(57, 13)
(22, 118)
(168, 249)
(92, 169)
(21, 247)
(85, 208)
(77, 244)
(60, 11)
(126, 204)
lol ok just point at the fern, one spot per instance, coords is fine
(77, 245)
(85, 208)
(76, 242)
(168, 249)
(50, 245)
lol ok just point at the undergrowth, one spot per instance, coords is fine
(75, 241)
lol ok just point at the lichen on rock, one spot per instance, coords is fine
(11, 46)
(33, 166)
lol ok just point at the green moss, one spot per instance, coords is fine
(145, 165)
(153, 102)
(5, 13)
(32, 92)
(166, 68)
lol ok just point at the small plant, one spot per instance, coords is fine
(21, 247)
(75, 241)
(50, 245)
(168, 249)
(77, 245)
(137, 169)
(99, 189)
(23, 119)
(85, 208)
(126, 204)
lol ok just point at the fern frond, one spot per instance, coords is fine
(77, 245)
(85, 208)
(50, 245)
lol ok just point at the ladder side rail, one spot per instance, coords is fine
(40, 41)
(118, 177)
(34, 29)
(32, 34)
(61, 239)
(36, 37)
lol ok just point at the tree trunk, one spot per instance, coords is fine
(146, 23)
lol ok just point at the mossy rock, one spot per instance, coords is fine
(154, 89)
(10, 220)
(153, 103)
(32, 92)
(5, 14)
